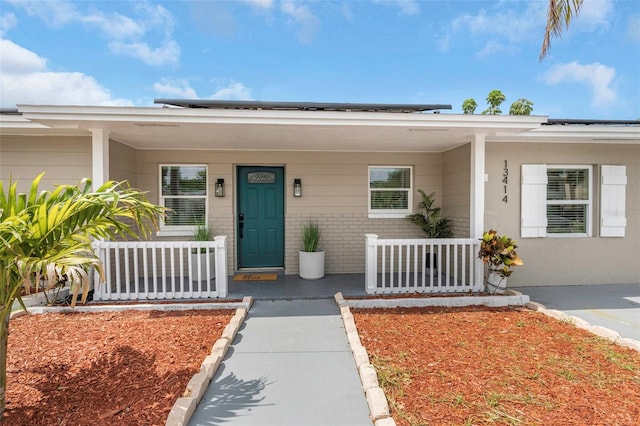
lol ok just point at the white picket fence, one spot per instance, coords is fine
(443, 265)
(162, 269)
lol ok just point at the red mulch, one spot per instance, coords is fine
(478, 365)
(115, 368)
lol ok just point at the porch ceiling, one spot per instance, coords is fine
(268, 130)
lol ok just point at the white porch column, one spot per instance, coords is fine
(477, 200)
(99, 157)
(477, 186)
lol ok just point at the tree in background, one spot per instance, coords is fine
(494, 99)
(521, 107)
(559, 16)
(469, 106)
(46, 238)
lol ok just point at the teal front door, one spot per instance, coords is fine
(260, 217)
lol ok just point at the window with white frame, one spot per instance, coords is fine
(183, 189)
(390, 191)
(556, 200)
(568, 200)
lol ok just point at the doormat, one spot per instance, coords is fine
(255, 277)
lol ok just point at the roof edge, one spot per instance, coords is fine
(595, 122)
(301, 106)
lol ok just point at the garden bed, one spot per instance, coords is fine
(105, 368)
(480, 365)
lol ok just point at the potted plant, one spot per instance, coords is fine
(199, 256)
(311, 266)
(499, 252)
(433, 225)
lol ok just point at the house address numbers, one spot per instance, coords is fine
(505, 180)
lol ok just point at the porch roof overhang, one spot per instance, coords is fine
(578, 131)
(278, 130)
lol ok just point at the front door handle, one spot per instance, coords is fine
(241, 224)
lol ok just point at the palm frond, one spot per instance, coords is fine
(559, 16)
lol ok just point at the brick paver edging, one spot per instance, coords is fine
(186, 405)
(376, 399)
(599, 331)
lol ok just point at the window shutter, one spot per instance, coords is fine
(533, 201)
(612, 201)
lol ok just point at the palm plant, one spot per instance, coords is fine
(46, 236)
(428, 218)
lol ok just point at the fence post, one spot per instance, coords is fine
(99, 286)
(221, 265)
(371, 263)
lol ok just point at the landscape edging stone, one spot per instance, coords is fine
(374, 395)
(603, 332)
(209, 366)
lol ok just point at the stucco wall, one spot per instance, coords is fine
(563, 260)
(456, 187)
(65, 160)
(334, 187)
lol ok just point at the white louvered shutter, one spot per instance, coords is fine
(612, 201)
(533, 201)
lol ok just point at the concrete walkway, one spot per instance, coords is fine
(614, 306)
(290, 364)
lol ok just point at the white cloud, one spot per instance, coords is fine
(443, 43)
(407, 7)
(507, 24)
(54, 13)
(596, 76)
(303, 17)
(492, 48)
(233, 92)
(167, 53)
(502, 28)
(16, 59)
(595, 14)
(262, 4)
(115, 26)
(25, 79)
(7, 21)
(179, 88)
(125, 35)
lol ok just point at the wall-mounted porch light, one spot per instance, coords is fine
(220, 187)
(297, 188)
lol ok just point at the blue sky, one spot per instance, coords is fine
(378, 51)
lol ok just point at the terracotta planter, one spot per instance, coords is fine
(311, 265)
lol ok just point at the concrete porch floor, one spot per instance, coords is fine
(294, 287)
